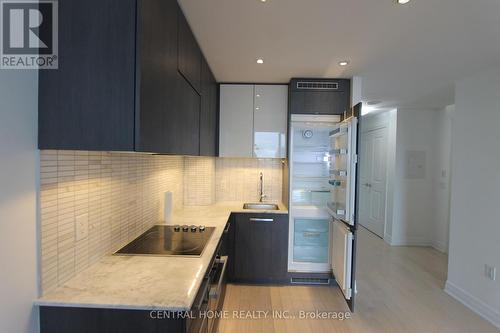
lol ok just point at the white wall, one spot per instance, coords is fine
(412, 197)
(475, 199)
(418, 212)
(18, 186)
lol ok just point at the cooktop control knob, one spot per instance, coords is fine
(177, 228)
(185, 227)
(201, 228)
(194, 228)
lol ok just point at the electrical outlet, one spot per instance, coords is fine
(490, 272)
(82, 226)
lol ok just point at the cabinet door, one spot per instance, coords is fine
(236, 120)
(261, 247)
(189, 54)
(208, 116)
(88, 103)
(253, 247)
(270, 121)
(183, 136)
(157, 68)
(319, 102)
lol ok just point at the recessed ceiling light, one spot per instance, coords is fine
(343, 63)
(260, 61)
(402, 2)
(263, 0)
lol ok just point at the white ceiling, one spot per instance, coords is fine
(407, 55)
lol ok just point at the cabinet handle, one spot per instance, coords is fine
(256, 219)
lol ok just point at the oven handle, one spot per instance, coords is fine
(214, 291)
(226, 230)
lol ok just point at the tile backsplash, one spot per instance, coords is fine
(237, 179)
(91, 203)
(118, 195)
(199, 181)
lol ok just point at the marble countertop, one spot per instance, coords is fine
(148, 282)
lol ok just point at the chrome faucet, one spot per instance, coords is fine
(261, 192)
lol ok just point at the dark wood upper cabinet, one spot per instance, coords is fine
(88, 103)
(320, 96)
(189, 54)
(183, 136)
(208, 115)
(157, 82)
(119, 85)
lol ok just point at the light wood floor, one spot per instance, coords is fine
(400, 289)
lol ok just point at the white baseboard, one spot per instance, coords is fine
(440, 246)
(388, 239)
(411, 241)
(473, 303)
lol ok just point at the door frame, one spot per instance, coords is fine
(373, 122)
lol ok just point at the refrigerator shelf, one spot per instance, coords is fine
(310, 162)
(338, 211)
(335, 182)
(339, 151)
(338, 131)
(303, 190)
(339, 173)
(311, 149)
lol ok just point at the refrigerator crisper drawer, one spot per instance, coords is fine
(312, 254)
(311, 233)
(311, 240)
(310, 197)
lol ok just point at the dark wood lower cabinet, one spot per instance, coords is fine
(87, 320)
(260, 248)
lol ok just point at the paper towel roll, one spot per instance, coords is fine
(167, 207)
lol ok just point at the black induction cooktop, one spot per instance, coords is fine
(168, 240)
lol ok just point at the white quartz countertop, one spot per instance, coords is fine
(148, 282)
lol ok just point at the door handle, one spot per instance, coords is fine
(368, 185)
(256, 219)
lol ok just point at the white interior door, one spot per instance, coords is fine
(373, 178)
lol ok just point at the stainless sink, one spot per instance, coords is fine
(261, 206)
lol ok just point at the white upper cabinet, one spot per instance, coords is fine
(270, 121)
(236, 120)
(253, 120)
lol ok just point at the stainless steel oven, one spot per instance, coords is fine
(217, 292)
(199, 322)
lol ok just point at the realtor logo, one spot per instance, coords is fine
(28, 34)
